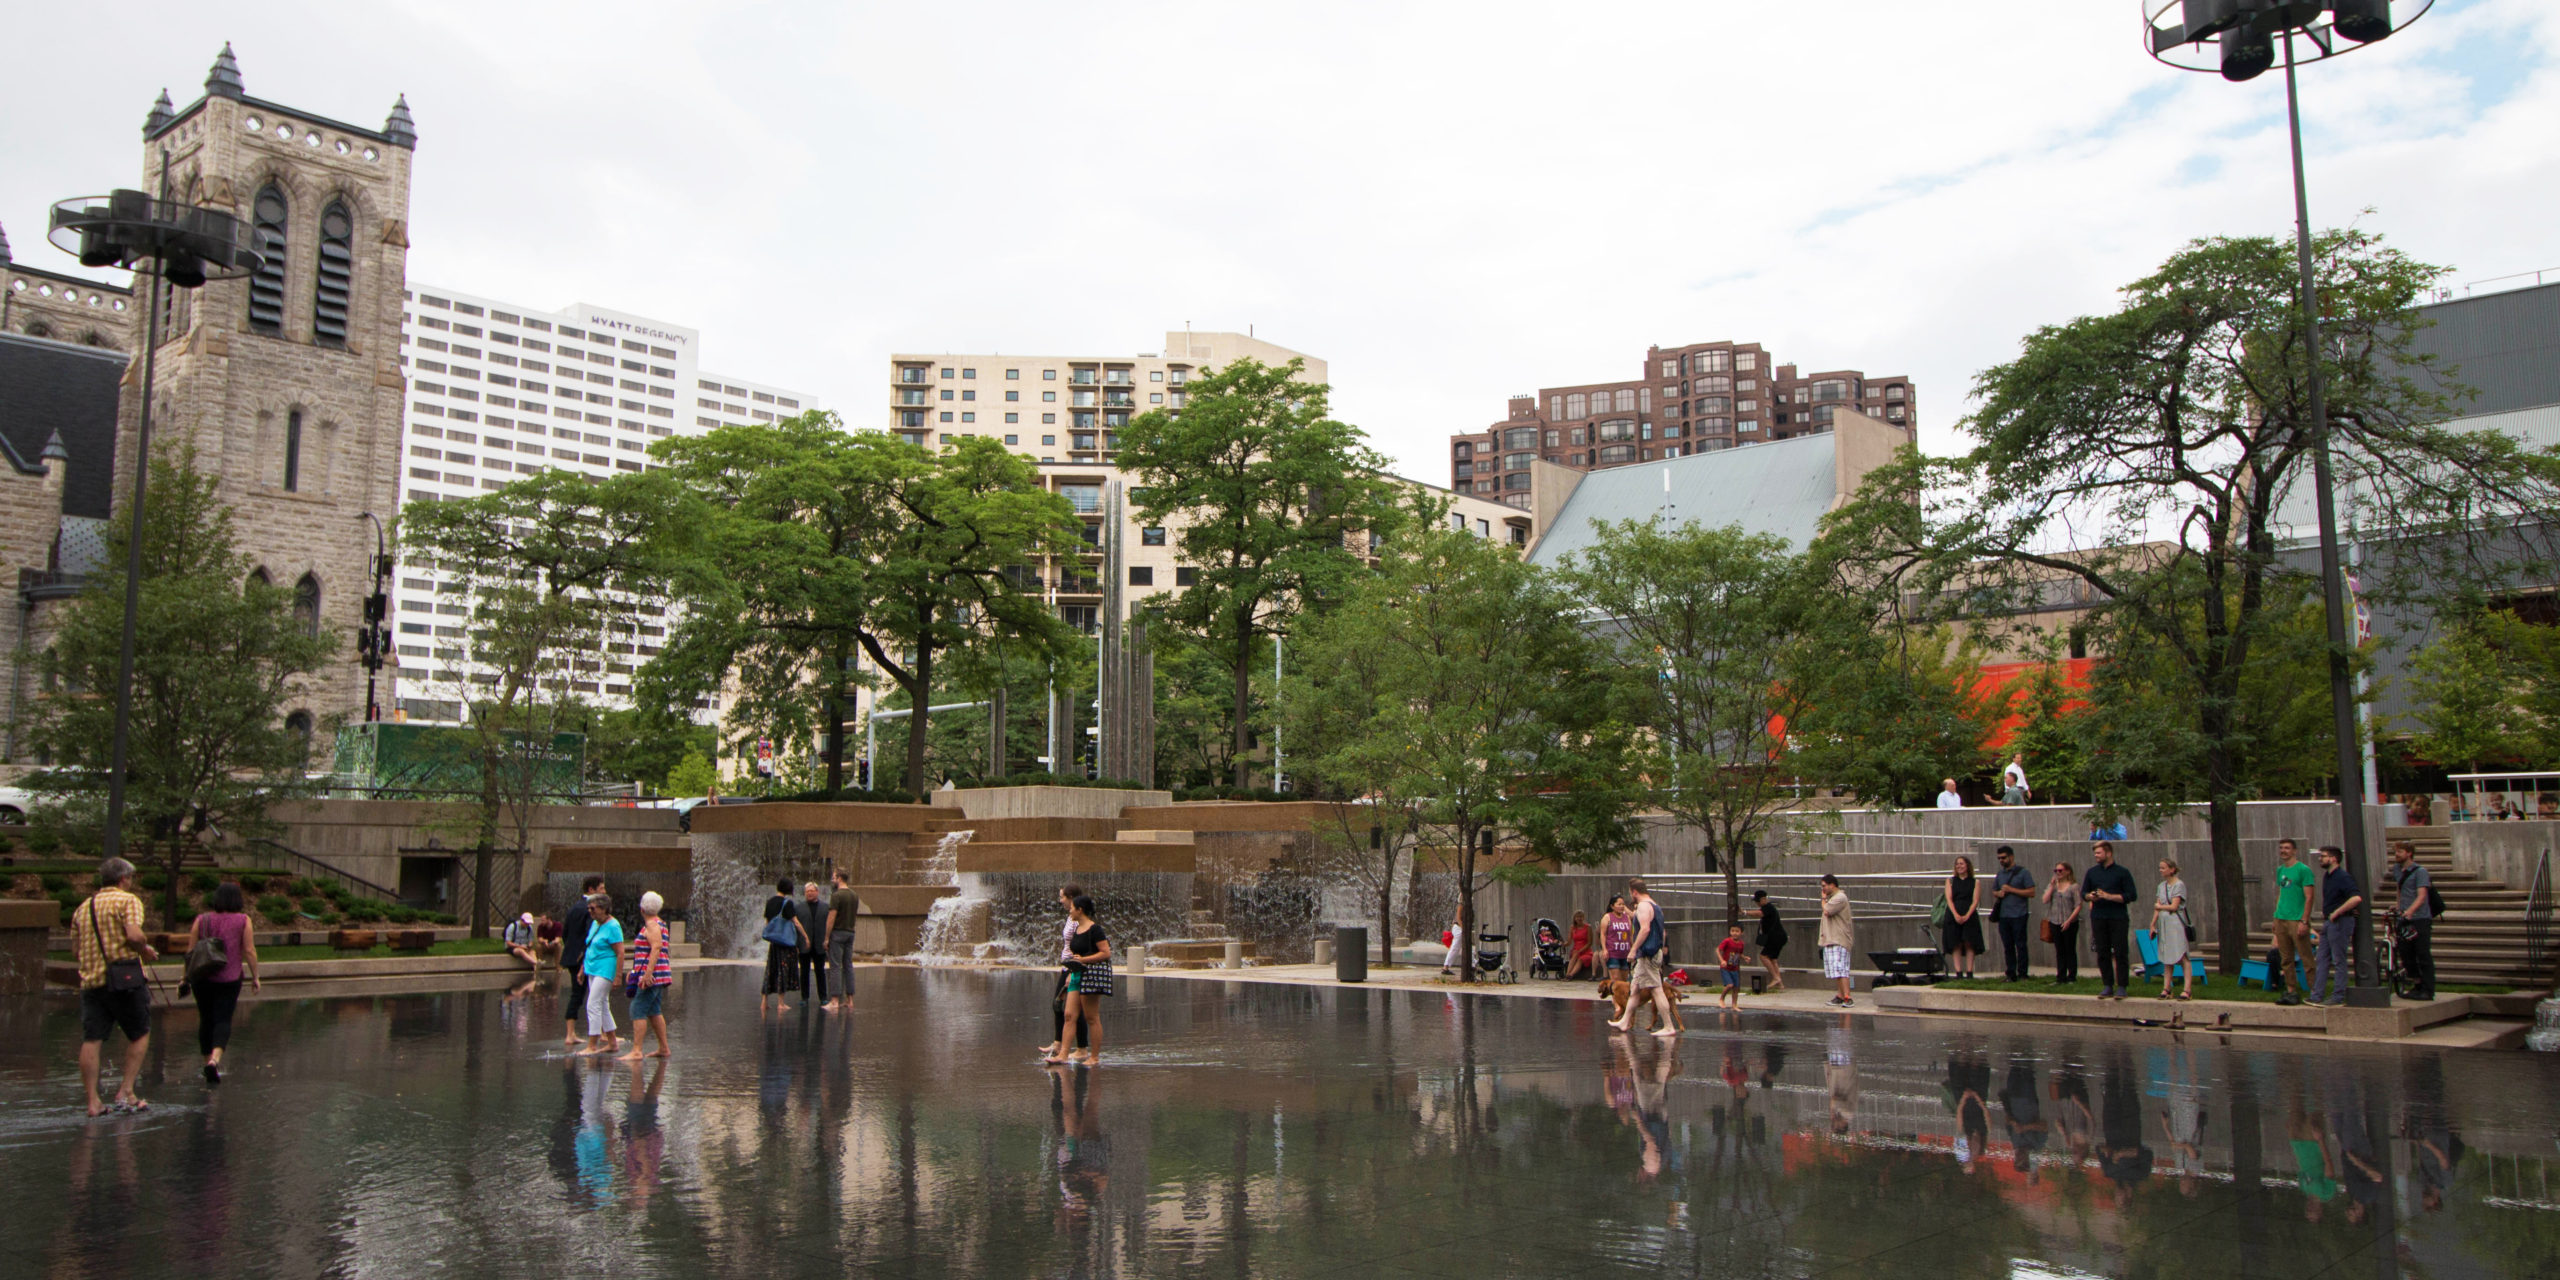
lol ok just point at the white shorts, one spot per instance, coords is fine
(1835, 962)
(599, 1007)
(1647, 973)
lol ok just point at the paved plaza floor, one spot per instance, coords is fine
(1260, 1129)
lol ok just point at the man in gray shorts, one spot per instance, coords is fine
(1647, 976)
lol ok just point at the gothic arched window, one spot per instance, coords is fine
(337, 275)
(293, 451)
(306, 605)
(266, 285)
(299, 725)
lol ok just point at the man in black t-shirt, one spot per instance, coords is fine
(2108, 888)
(573, 954)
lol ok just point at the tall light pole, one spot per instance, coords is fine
(373, 644)
(2237, 38)
(179, 246)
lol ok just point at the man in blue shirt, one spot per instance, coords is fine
(2334, 970)
(2016, 889)
(2108, 888)
(2417, 922)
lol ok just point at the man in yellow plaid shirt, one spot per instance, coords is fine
(108, 928)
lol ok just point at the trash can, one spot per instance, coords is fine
(1351, 953)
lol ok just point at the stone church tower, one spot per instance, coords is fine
(288, 384)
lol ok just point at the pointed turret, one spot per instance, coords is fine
(224, 80)
(4, 244)
(400, 129)
(57, 465)
(162, 112)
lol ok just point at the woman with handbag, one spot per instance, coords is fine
(652, 971)
(1088, 980)
(222, 948)
(783, 939)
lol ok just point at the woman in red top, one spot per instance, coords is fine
(653, 970)
(1578, 962)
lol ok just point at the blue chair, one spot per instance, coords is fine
(2257, 971)
(2151, 966)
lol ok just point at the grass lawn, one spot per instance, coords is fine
(2220, 988)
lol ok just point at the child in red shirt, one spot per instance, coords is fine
(1729, 967)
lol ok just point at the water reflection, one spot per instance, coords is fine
(1245, 1130)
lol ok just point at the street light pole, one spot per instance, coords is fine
(112, 841)
(373, 646)
(2241, 34)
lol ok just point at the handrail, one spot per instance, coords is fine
(2537, 920)
(311, 866)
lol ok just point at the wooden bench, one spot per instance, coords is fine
(412, 939)
(352, 939)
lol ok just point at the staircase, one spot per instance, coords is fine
(916, 865)
(1205, 945)
(2480, 940)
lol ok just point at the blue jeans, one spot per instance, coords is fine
(2336, 957)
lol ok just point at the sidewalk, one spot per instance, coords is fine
(2453, 1021)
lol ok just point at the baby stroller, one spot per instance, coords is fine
(1550, 961)
(1493, 956)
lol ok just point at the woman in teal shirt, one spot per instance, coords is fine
(604, 971)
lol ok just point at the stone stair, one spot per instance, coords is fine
(2481, 939)
(1205, 947)
(916, 864)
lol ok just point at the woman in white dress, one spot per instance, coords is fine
(2169, 929)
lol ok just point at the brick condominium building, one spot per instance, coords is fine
(1684, 400)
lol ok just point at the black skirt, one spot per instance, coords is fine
(1967, 935)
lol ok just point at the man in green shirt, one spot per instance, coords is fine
(2294, 879)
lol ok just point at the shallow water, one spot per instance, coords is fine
(1249, 1130)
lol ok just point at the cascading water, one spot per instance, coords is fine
(939, 940)
(728, 891)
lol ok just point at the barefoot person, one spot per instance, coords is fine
(115, 993)
(1772, 940)
(225, 920)
(520, 938)
(606, 956)
(783, 938)
(1056, 1050)
(1729, 967)
(1088, 977)
(842, 905)
(653, 971)
(573, 956)
(1651, 934)
(1617, 957)
(1839, 934)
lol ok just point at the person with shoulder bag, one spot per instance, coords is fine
(115, 991)
(222, 950)
(783, 938)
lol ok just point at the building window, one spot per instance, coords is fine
(1520, 438)
(1573, 407)
(1715, 405)
(1716, 385)
(1893, 391)
(1153, 537)
(1012, 375)
(1516, 461)
(968, 395)
(306, 605)
(1141, 575)
(1462, 449)
(1012, 395)
(1578, 459)
(1553, 439)
(1013, 417)
(1745, 361)
(293, 451)
(1616, 429)
(968, 417)
(1617, 453)
(1048, 375)
(1185, 575)
(949, 373)
(946, 415)
(1719, 361)
(1050, 419)
(1626, 398)
(266, 287)
(1579, 435)
(1515, 482)
(1831, 389)
(335, 288)
(968, 373)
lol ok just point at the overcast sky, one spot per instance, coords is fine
(1451, 203)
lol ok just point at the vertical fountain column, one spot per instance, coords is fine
(949, 923)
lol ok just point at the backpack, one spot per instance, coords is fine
(2435, 900)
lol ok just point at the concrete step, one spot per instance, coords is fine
(1191, 950)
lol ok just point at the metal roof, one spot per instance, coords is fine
(1781, 487)
(2504, 345)
(54, 389)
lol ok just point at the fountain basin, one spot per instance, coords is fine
(892, 916)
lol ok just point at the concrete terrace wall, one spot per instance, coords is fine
(368, 838)
(1043, 802)
(2505, 851)
(868, 840)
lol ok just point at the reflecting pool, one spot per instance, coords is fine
(1251, 1130)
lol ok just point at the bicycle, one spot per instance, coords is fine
(2386, 955)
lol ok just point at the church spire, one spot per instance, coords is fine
(400, 129)
(224, 80)
(162, 112)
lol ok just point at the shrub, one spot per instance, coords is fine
(67, 907)
(365, 912)
(253, 884)
(443, 917)
(276, 908)
(202, 880)
(155, 879)
(316, 905)
(44, 840)
(54, 882)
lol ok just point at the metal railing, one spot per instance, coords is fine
(2537, 922)
(308, 867)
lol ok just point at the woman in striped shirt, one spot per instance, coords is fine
(653, 970)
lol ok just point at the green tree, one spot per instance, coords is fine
(1890, 711)
(2147, 458)
(2466, 709)
(554, 570)
(947, 564)
(1701, 628)
(1456, 681)
(784, 519)
(1268, 494)
(694, 775)
(219, 655)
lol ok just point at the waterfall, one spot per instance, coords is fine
(938, 941)
(728, 891)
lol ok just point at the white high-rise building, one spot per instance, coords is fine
(498, 391)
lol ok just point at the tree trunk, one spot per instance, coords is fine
(2230, 907)
(480, 860)
(918, 695)
(835, 733)
(1386, 913)
(1462, 938)
(1244, 697)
